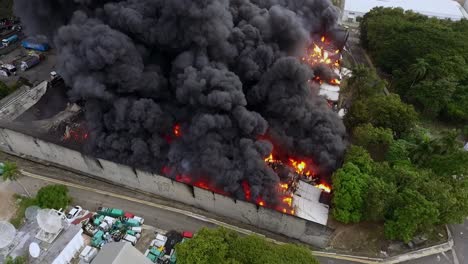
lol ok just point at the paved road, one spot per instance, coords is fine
(460, 237)
(90, 200)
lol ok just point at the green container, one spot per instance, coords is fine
(112, 212)
(96, 241)
(132, 222)
(131, 232)
(98, 220)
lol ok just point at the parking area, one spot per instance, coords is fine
(37, 73)
(111, 225)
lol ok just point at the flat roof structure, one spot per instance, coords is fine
(442, 9)
(120, 253)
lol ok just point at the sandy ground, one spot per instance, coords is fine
(7, 202)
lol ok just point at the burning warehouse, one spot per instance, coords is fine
(202, 91)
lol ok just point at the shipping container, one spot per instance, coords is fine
(35, 45)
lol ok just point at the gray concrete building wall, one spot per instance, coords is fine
(271, 220)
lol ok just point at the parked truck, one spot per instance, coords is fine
(10, 40)
(113, 212)
(30, 62)
(28, 44)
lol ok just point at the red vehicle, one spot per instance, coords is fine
(187, 234)
(128, 215)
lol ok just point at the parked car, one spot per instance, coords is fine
(74, 212)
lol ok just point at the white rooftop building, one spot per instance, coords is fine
(442, 9)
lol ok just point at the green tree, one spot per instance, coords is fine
(428, 147)
(375, 139)
(426, 57)
(413, 214)
(390, 112)
(360, 158)
(379, 198)
(255, 250)
(17, 260)
(382, 111)
(432, 96)
(398, 151)
(53, 196)
(364, 83)
(226, 246)
(10, 171)
(418, 70)
(350, 191)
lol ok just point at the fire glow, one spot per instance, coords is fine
(77, 134)
(318, 53)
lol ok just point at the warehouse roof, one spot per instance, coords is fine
(434, 8)
(120, 253)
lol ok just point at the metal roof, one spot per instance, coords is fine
(434, 8)
(307, 205)
(120, 253)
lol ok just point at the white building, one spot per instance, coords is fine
(442, 9)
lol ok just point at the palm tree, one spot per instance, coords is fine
(418, 70)
(10, 172)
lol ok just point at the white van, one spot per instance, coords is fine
(130, 239)
(88, 254)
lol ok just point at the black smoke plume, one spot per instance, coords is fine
(225, 71)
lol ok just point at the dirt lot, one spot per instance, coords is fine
(7, 202)
(368, 239)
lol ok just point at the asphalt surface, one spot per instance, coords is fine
(156, 217)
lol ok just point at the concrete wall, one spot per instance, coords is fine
(291, 226)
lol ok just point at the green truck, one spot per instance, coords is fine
(112, 212)
(97, 239)
(154, 254)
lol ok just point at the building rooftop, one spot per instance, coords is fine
(307, 205)
(120, 253)
(434, 8)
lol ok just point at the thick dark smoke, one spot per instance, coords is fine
(226, 71)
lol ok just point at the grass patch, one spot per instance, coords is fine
(22, 203)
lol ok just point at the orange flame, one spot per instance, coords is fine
(318, 54)
(288, 201)
(335, 81)
(284, 186)
(177, 130)
(270, 158)
(300, 167)
(324, 187)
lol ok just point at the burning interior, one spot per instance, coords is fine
(221, 95)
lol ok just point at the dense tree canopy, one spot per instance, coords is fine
(226, 246)
(421, 183)
(53, 196)
(350, 186)
(382, 111)
(426, 56)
